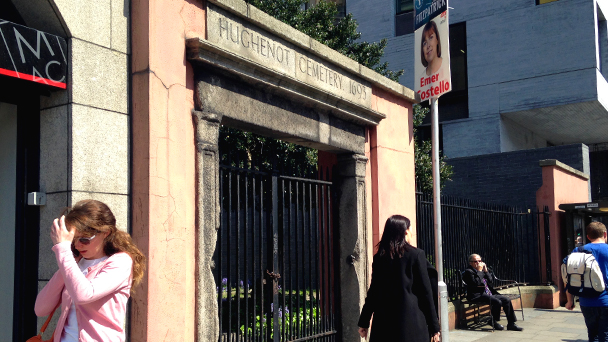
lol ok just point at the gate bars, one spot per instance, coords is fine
(506, 238)
(275, 258)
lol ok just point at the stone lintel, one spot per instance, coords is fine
(288, 33)
(202, 51)
(257, 109)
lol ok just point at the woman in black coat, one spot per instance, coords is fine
(400, 296)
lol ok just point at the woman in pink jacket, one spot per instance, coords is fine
(98, 264)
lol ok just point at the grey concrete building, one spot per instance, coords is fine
(526, 74)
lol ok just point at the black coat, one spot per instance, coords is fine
(475, 286)
(401, 299)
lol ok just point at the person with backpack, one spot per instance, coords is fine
(595, 309)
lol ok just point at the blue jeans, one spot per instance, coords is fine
(596, 319)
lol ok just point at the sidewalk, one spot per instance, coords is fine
(540, 325)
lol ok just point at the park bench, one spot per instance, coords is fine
(481, 309)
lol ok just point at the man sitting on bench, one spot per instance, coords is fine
(479, 289)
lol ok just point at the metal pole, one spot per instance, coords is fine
(443, 289)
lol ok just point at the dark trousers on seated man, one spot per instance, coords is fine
(496, 302)
(479, 290)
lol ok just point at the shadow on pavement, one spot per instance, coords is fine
(561, 311)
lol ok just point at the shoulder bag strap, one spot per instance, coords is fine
(48, 320)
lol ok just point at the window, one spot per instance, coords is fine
(404, 17)
(455, 104)
(404, 6)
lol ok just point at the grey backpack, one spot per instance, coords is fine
(582, 275)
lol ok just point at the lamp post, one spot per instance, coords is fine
(443, 289)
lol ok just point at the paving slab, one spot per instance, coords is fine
(558, 325)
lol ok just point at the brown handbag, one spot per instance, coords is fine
(38, 338)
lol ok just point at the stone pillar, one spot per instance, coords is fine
(207, 223)
(349, 180)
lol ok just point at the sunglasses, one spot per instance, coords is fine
(85, 241)
(476, 261)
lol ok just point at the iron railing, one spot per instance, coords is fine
(275, 258)
(506, 237)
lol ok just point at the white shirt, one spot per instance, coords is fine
(70, 330)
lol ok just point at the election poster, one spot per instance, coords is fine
(431, 49)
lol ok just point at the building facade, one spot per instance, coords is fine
(526, 74)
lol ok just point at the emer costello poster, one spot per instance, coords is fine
(431, 49)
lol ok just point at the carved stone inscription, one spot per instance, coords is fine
(242, 38)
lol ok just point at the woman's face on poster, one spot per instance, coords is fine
(429, 45)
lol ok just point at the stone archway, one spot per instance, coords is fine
(332, 112)
(245, 93)
(225, 95)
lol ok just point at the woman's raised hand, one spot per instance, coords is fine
(59, 232)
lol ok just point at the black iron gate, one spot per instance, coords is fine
(508, 238)
(275, 258)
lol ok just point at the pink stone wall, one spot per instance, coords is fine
(390, 173)
(163, 167)
(559, 186)
(163, 182)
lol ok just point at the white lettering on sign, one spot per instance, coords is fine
(23, 55)
(36, 52)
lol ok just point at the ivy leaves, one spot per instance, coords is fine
(424, 160)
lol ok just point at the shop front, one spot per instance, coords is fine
(32, 64)
(64, 135)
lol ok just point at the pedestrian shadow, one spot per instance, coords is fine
(578, 340)
(560, 311)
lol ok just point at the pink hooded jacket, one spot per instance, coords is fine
(100, 297)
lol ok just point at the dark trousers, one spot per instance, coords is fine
(596, 320)
(497, 302)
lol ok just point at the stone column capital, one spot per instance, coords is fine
(207, 130)
(351, 165)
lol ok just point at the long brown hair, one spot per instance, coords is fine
(90, 217)
(393, 242)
